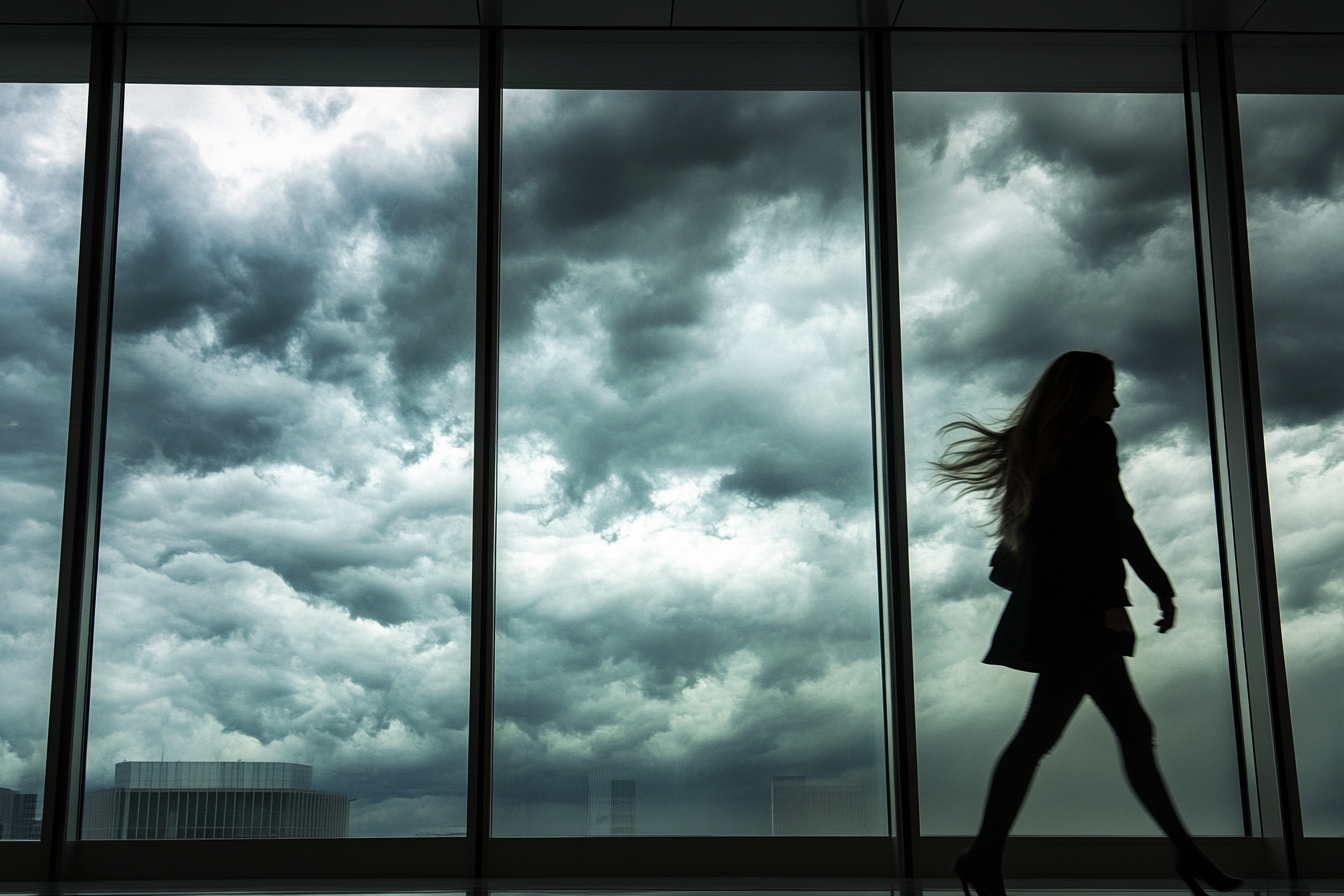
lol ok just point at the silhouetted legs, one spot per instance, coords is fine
(1057, 694)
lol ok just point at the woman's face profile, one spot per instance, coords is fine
(1105, 403)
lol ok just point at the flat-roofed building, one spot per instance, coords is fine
(18, 815)
(802, 806)
(214, 801)
(611, 804)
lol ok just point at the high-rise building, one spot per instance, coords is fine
(215, 800)
(611, 804)
(18, 815)
(800, 806)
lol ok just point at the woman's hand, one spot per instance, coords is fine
(1168, 619)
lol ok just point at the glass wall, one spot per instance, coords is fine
(284, 578)
(1294, 170)
(687, 608)
(688, 638)
(1030, 224)
(41, 183)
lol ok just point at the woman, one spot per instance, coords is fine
(1066, 529)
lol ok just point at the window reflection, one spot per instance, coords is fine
(284, 577)
(41, 179)
(1032, 224)
(1295, 215)
(687, 636)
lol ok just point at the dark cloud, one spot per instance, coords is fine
(1295, 199)
(321, 109)
(1297, 340)
(41, 170)
(663, 177)
(269, 284)
(665, 660)
(654, 189)
(40, 220)
(1293, 146)
(1120, 278)
(828, 464)
(1122, 172)
(624, 213)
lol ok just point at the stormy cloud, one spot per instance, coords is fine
(686, 571)
(1295, 212)
(687, 558)
(285, 557)
(41, 172)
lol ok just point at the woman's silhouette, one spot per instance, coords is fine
(1054, 479)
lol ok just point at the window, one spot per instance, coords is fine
(1291, 118)
(688, 608)
(678, 604)
(285, 562)
(1033, 222)
(43, 105)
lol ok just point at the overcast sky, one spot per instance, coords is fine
(687, 591)
(285, 559)
(1294, 157)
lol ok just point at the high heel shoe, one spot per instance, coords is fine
(1194, 868)
(986, 877)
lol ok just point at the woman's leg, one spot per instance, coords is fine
(1114, 694)
(1056, 696)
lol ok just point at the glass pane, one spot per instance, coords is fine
(687, 608)
(1032, 224)
(1295, 212)
(41, 183)
(285, 564)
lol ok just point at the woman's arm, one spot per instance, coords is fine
(1133, 546)
(1140, 556)
(1135, 549)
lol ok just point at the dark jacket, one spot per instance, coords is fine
(1070, 566)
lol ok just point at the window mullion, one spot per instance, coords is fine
(479, 779)
(1240, 453)
(67, 732)
(889, 444)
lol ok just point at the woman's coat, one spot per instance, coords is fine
(1070, 566)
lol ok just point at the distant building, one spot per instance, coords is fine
(18, 815)
(800, 806)
(215, 801)
(611, 805)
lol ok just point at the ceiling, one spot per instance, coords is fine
(1273, 16)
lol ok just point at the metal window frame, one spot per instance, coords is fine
(68, 720)
(1275, 845)
(879, 157)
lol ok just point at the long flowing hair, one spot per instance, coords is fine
(1007, 464)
